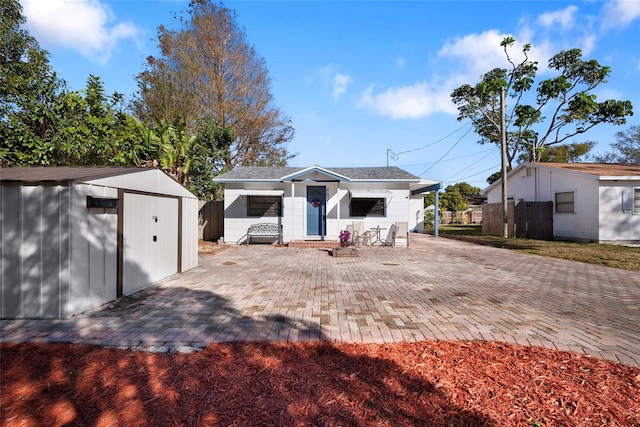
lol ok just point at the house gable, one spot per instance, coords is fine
(315, 173)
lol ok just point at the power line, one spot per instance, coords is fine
(472, 165)
(478, 173)
(394, 156)
(445, 154)
(450, 160)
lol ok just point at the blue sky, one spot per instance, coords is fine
(365, 83)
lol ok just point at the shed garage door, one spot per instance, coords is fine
(150, 238)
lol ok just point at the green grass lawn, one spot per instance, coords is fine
(616, 256)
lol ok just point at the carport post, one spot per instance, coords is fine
(436, 217)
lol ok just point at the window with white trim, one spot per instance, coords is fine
(565, 202)
(264, 205)
(636, 200)
(367, 207)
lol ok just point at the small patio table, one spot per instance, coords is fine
(378, 239)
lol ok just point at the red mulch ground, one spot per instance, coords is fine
(427, 383)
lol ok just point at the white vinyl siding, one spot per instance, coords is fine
(636, 200)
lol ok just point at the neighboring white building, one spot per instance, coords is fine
(591, 201)
(316, 203)
(74, 238)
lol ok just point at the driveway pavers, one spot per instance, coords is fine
(437, 289)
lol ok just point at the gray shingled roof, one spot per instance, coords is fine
(62, 174)
(250, 173)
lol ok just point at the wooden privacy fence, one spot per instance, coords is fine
(211, 220)
(530, 220)
(460, 217)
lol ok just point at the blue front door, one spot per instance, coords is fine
(316, 213)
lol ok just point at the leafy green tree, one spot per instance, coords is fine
(494, 177)
(564, 153)
(28, 92)
(626, 149)
(464, 188)
(452, 200)
(42, 123)
(568, 99)
(208, 70)
(213, 145)
(93, 129)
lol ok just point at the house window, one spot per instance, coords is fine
(565, 202)
(367, 206)
(636, 200)
(264, 205)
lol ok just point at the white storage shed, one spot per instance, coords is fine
(74, 238)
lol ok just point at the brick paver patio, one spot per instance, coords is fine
(436, 289)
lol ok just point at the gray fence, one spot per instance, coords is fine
(530, 220)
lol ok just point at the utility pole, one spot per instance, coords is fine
(503, 144)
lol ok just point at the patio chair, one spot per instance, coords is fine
(400, 231)
(390, 236)
(360, 235)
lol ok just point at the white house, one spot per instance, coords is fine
(316, 203)
(74, 238)
(591, 201)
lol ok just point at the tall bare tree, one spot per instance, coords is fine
(208, 71)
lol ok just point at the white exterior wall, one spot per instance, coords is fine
(583, 224)
(236, 221)
(542, 186)
(618, 223)
(400, 207)
(94, 248)
(34, 251)
(519, 187)
(58, 257)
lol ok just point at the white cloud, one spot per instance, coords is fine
(408, 102)
(564, 18)
(619, 13)
(475, 54)
(86, 26)
(340, 83)
(464, 59)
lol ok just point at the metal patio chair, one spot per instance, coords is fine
(360, 235)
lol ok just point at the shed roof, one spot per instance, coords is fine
(63, 173)
(259, 173)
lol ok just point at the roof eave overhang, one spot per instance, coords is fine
(427, 189)
(240, 181)
(620, 178)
